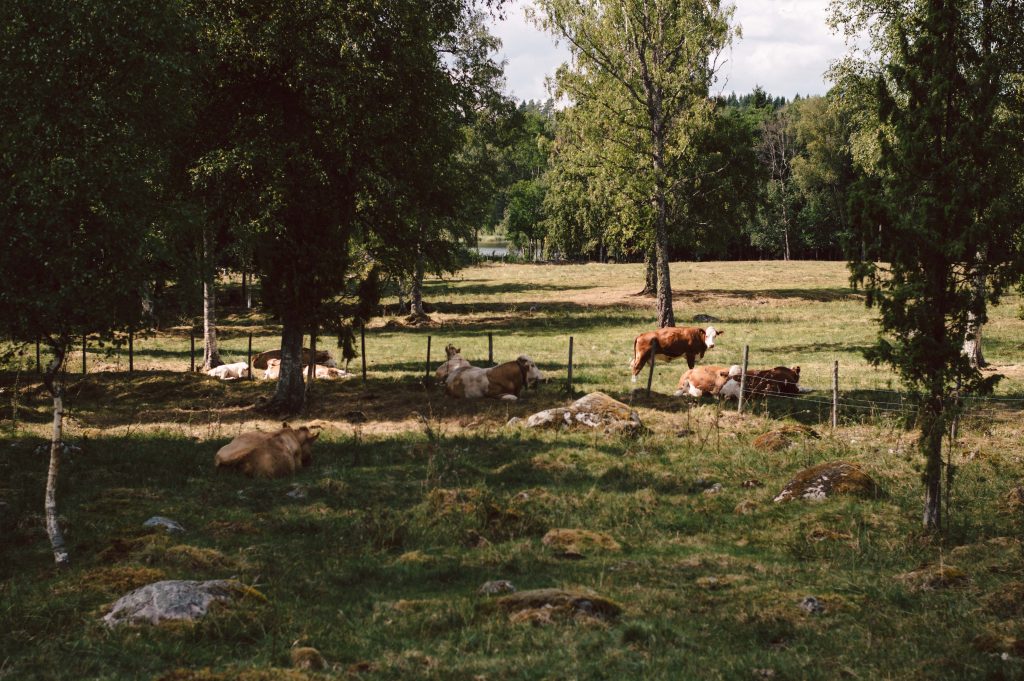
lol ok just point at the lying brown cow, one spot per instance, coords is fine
(269, 455)
(673, 342)
(780, 380)
(705, 379)
(505, 380)
(322, 357)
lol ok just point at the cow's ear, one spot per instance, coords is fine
(719, 333)
(796, 370)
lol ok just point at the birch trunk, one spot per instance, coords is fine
(416, 292)
(56, 387)
(211, 357)
(972, 339)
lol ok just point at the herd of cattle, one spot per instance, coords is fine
(506, 381)
(284, 451)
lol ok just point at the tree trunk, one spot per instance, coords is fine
(290, 395)
(932, 431)
(972, 339)
(416, 292)
(60, 553)
(650, 273)
(666, 316)
(245, 287)
(211, 357)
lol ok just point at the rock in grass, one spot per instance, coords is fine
(495, 587)
(812, 605)
(781, 438)
(308, 658)
(170, 525)
(175, 601)
(558, 603)
(578, 542)
(934, 577)
(592, 411)
(828, 479)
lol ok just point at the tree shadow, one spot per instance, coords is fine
(819, 295)
(444, 287)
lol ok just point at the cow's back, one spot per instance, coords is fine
(505, 379)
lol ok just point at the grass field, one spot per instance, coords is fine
(414, 501)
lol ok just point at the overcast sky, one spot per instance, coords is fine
(785, 49)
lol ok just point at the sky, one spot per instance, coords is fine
(785, 48)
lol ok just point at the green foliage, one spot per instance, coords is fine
(90, 108)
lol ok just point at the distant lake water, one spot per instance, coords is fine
(493, 249)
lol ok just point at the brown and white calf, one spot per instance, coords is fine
(673, 342)
(707, 379)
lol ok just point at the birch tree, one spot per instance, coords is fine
(640, 74)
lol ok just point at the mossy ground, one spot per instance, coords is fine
(414, 501)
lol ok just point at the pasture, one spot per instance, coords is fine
(375, 553)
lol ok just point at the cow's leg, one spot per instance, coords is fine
(691, 359)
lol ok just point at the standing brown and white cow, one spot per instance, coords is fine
(673, 342)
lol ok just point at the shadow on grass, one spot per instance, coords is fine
(820, 295)
(440, 288)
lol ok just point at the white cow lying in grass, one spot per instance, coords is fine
(325, 371)
(230, 372)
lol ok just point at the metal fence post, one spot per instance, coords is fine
(362, 343)
(192, 348)
(83, 353)
(743, 379)
(570, 365)
(131, 351)
(248, 356)
(426, 373)
(835, 393)
(490, 347)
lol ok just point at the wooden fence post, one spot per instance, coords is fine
(248, 356)
(570, 365)
(490, 347)
(426, 373)
(192, 348)
(83, 353)
(743, 379)
(131, 351)
(835, 394)
(650, 373)
(362, 343)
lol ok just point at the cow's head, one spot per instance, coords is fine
(307, 437)
(451, 351)
(709, 336)
(531, 374)
(455, 361)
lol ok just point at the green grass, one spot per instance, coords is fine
(378, 565)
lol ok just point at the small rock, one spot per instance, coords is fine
(495, 587)
(705, 318)
(308, 658)
(297, 492)
(749, 484)
(812, 605)
(714, 489)
(827, 479)
(170, 525)
(514, 422)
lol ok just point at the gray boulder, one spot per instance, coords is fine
(174, 600)
(595, 410)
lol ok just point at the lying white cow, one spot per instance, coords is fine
(326, 371)
(230, 372)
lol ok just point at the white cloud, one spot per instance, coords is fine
(786, 48)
